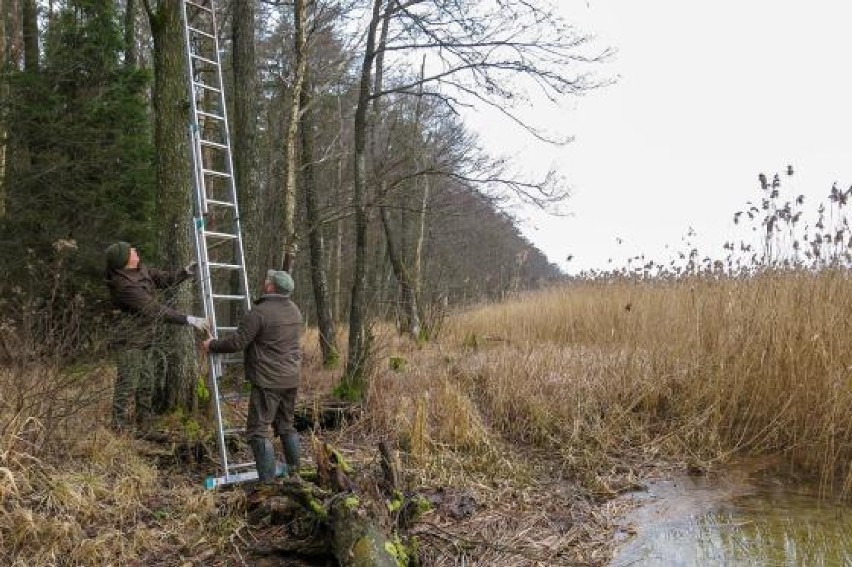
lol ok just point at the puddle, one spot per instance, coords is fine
(730, 520)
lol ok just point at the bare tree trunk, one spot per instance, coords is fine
(5, 29)
(325, 321)
(30, 35)
(173, 200)
(409, 300)
(395, 251)
(417, 271)
(131, 57)
(289, 196)
(353, 378)
(13, 26)
(338, 223)
(245, 128)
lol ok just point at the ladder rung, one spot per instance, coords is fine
(206, 86)
(247, 465)
(216, 173)
(209, 115)
(197, 5)
(222, 235)
(224, 267)
(212, 144)
(233, 431)
(204, 59)
(219, 203)
(228, 329)
(201, 32)
(227, 297)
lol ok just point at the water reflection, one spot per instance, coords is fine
(727, 521)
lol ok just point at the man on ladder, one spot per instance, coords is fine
(269, 335)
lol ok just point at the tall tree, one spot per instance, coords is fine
(319, 278)
(245, 126)
(82, 123)
(5, 30)
(353, 379)
(291, 139)
(174, 206)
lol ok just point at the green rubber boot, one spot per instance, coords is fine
(264, 457)
(291, 452)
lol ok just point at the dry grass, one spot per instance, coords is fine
(92, 498)
(539, 410)
(694, 370)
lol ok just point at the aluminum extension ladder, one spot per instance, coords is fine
(216, 220)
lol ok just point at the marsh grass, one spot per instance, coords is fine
(542, 409)
(698, 369)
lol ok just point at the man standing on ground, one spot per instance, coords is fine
(270, 334)
(132, 288)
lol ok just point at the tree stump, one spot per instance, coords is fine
(359, 528)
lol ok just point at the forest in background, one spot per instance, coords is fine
(348, 145)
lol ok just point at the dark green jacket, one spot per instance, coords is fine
(269, 334)
(134, 291)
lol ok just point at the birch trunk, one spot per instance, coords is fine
(289, 197)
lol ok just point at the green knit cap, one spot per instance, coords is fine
(281, 280)
(117, 255)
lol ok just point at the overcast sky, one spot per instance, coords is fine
(709, 95)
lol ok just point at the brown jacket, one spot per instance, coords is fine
(134, 292)
(269, 334)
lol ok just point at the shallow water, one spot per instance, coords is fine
(730, 520)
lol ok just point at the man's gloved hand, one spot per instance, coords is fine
(191, 269)
(199, 323)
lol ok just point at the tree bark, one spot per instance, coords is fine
(396, 252)
(289, 196)
(353, 378)
(325, 321)
(173, 204)
(246, 129)
(403, 278)
(131, 57)
(338, 223)
(13, 28)
(30, 35)
(417, 271)
(5, 29)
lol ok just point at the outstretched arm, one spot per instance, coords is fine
(239, 339)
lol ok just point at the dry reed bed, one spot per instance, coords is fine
(697, 370)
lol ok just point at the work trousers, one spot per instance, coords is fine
(136, 379)
(270, 407)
